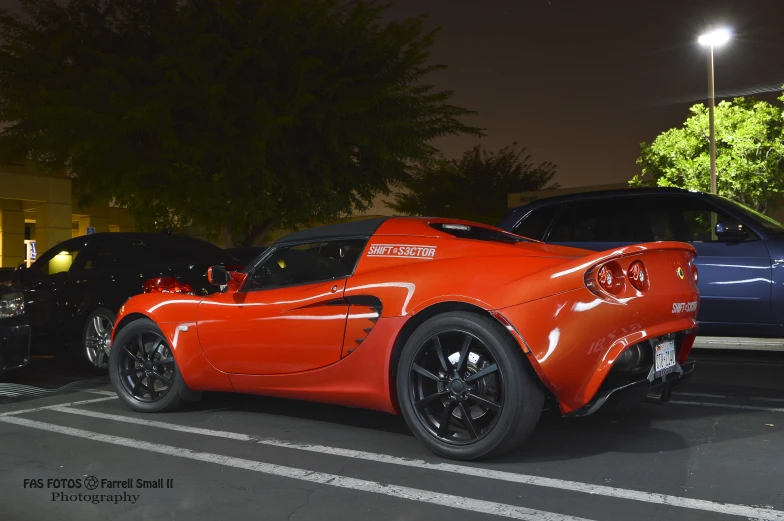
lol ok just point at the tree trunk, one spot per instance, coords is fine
(257, 233)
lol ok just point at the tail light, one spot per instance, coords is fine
(638, 275)
(609, 277)
(167, 285)
(694, 274)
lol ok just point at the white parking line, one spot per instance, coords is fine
(575, 486)
(717, 361)
(374, 487)
(725, 397)
(45, 407)
(98, 391)
(730, 406)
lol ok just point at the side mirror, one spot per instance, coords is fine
(218, 275)
(731, 230)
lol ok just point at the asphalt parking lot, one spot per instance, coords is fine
(716, 452)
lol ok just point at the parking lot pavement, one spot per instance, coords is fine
(712, 453)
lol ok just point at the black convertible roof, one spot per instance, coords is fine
(363, 227)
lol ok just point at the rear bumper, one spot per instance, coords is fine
(650, 389)
(14, 344)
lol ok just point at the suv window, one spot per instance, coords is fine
(58, 259)
(681, 218)
(306, 263)
(593, 220)
(761, 220)
(106, 255)
(535, 224)
(169, 249)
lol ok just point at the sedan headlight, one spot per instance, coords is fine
(11, 305)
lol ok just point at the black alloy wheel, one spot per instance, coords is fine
(465, 388)
(143, 369)
(457, 387)
(146, 367)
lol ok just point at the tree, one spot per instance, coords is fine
(474, 187)
(234, 115)
(749, 153)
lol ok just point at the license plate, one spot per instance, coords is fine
(664, 358)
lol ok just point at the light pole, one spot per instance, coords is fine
(713, 39)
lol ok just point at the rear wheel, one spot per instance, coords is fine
(143, 370)
(465, 389)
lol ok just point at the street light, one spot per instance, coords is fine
(713, 39)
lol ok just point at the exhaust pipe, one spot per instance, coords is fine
(660, 397)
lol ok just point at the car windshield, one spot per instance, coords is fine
(761, 220)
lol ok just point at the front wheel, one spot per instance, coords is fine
(143, 370)
(465, 388)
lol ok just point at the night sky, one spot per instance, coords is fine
(583, 82)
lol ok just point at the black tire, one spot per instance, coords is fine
(141, 354)
(95, 342)
(512, 392)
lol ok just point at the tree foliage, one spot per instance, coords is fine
(474, 187)
(749, 153)
(234, 115)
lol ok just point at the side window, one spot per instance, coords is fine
(683, 218)
(306, 263)
(108, 256)
(587, 221)
(534, 225)
(59, 259)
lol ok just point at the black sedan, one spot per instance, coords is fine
(74, 290)
(14, 328)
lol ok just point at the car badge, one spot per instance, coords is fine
(679, 271)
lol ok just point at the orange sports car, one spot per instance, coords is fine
(468, 331)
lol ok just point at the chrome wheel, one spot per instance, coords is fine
(146, 367)
(456, 387)
(98, 340)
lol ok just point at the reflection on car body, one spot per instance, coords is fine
(337, 314)
(740, 251)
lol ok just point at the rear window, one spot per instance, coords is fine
(479, 233)
(177, 250)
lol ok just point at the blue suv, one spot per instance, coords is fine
(740, 252)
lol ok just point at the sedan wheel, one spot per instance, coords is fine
(97, 337)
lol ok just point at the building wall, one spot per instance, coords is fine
(41, 201)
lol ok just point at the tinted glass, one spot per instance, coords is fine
(175, 250)
(58, 259)
(306, 263)
(681, 218)
(109, 256)
(593, 220)
(763, 221)
(478, 233)
(535, 224)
